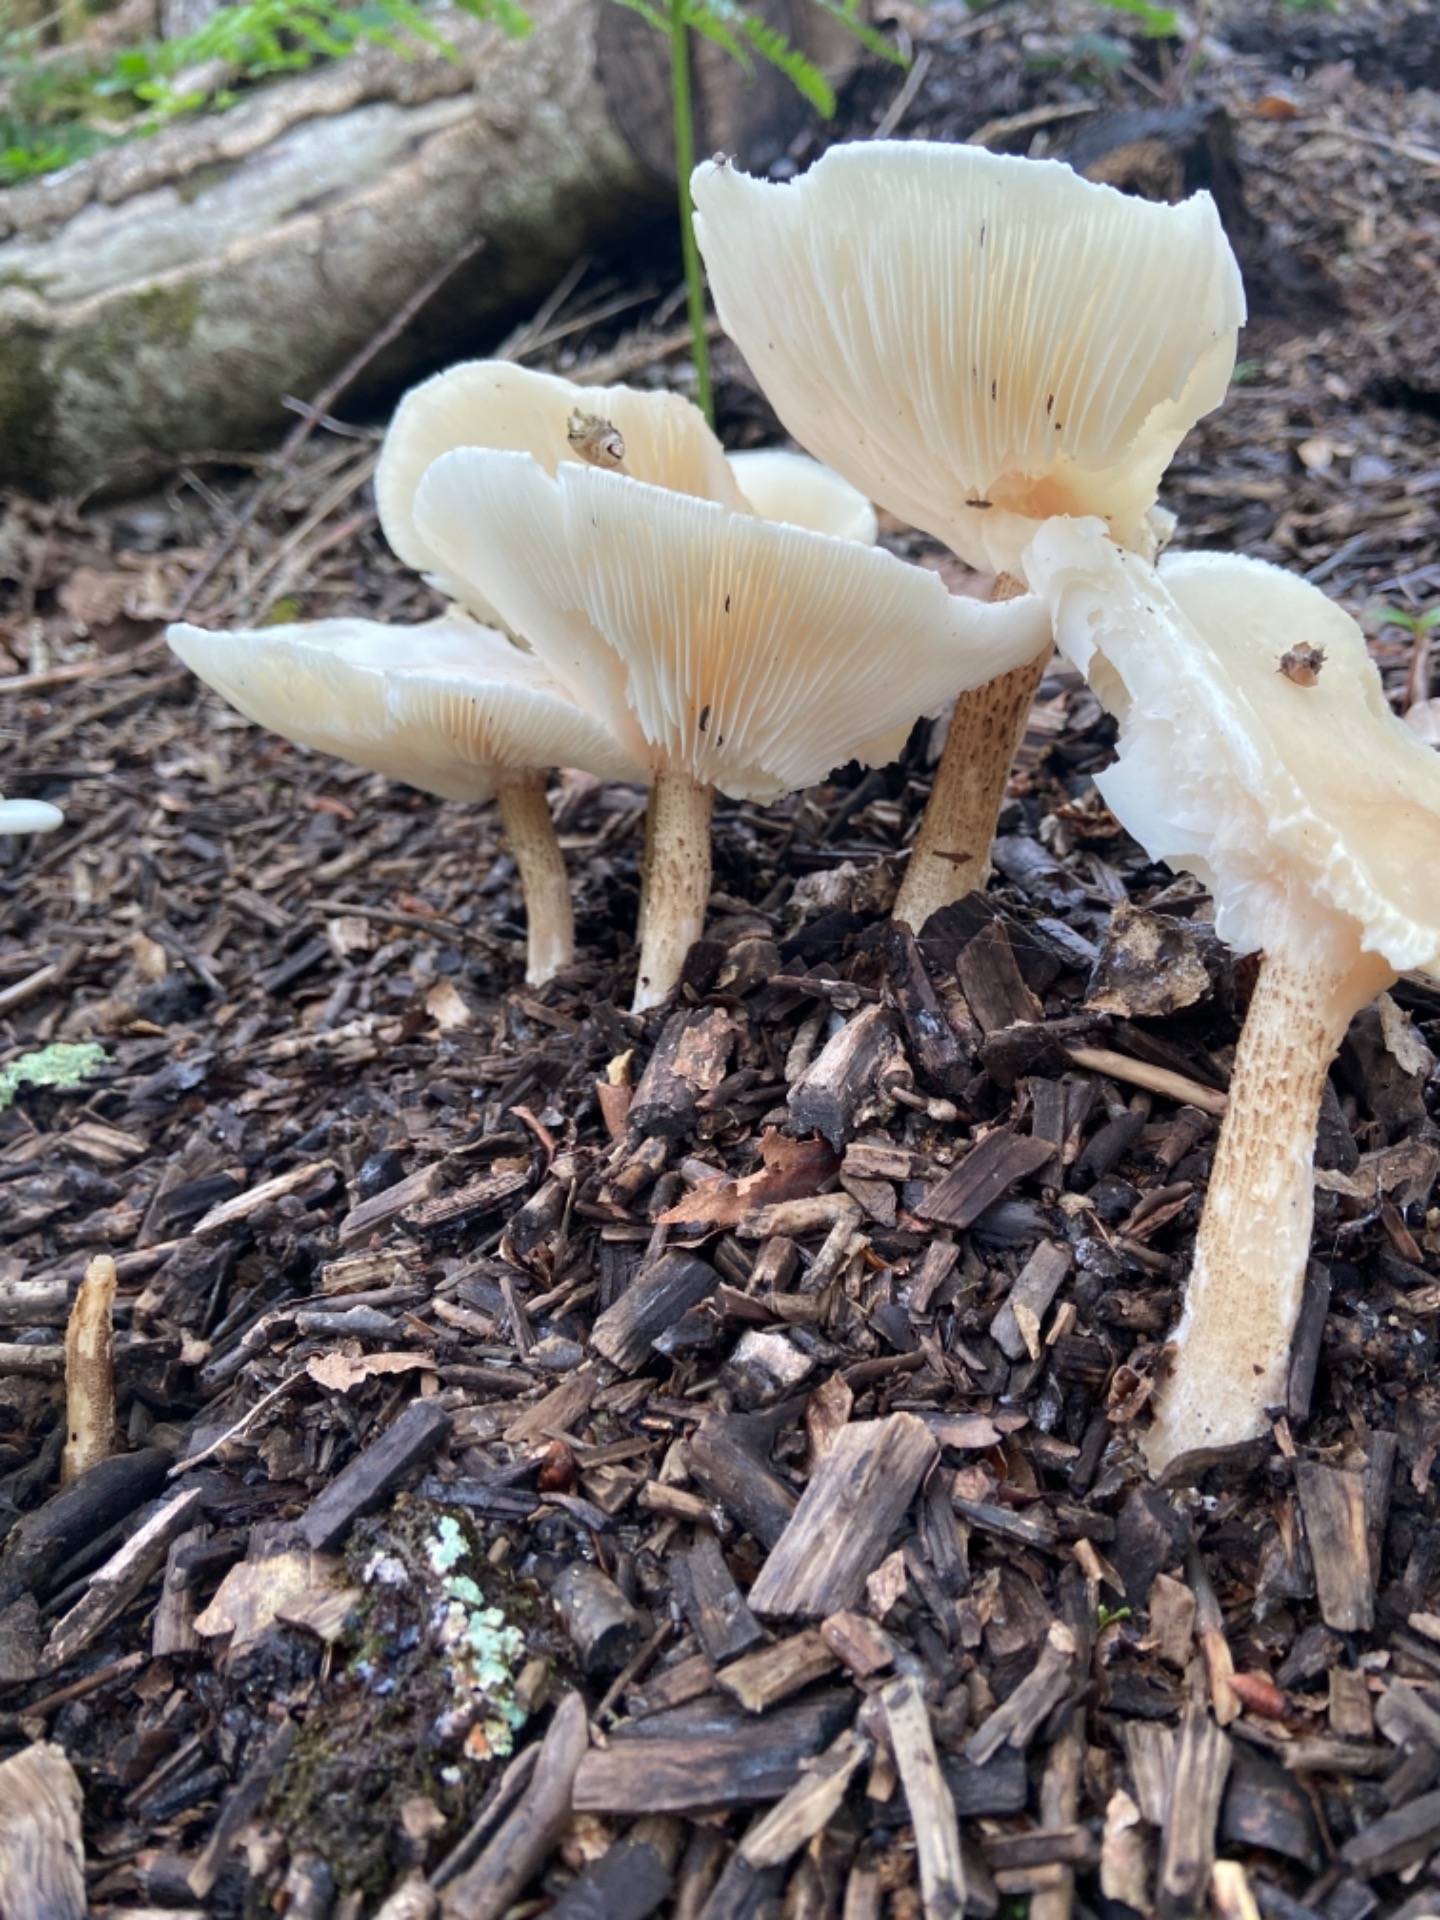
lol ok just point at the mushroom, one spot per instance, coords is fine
(1312, 815)
(657, 437)
(449, 706)
(978, 343)
(29, 816)
(723, 651)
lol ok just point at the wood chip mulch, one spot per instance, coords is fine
(685, 1465)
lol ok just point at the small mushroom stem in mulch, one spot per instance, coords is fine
(1232, 1347)
(675, 883)
(951, 855)
(525, 815)
(90, 1371)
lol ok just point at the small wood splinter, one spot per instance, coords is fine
(596, 441)
(1302, 664)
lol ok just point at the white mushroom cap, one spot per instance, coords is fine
(780, 485)
(29, 816)
(976, 342)
(1288, 801)
(750, 656)
(494, 403)
(445, 706)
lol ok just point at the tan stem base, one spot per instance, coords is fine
(1232, 1347)
(525, 815)
(951, 855)
(676, 883)
(90, 1372)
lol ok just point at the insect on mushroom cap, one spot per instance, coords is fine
(444, 706)
(975, 341)
(752, 656)
(1288, 800)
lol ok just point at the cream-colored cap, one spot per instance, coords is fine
(29, 816)
(781, 485)
(753, 657)
(976, 342)
(444, 706)
(1293, 802)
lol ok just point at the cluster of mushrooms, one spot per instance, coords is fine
(1006, 357)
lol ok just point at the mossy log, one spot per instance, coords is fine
(165, 296)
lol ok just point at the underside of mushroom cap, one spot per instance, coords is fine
(751, 656)
(780, 485)
(1288, 800)
(445, 706)
(976, 342)
(494, 403)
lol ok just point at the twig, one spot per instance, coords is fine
(905, 99)
(102, 668)
(238, 1430)
(994, 130)
(1136, 1073)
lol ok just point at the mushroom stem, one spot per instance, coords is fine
(1231, 1351)
(90, 1372)
(525, 815)
(951, 855)
(675, 888)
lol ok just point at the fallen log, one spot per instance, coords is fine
(166, 295)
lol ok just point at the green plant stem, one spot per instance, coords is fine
(684, 167)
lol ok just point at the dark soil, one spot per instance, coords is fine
(385, 1220)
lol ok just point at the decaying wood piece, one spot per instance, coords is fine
(938, 1053)
(1059, 1810)
(373, 1474)
(689, 1061)
(34, 1303)
(1016, 1325)
(1017, 1720)
(1202, 1764)
(833, 1088)
(986, 1172)
(630, 1879)
(728, 1459)
(809, 1804)
(90, 1371)
(1397, 1840)
(39, 1541)
(712, 1603)
(239, 1806)
(760, 1680)
(728, 1762)
(1333, 1504)
(519, 1848)
(603, 1625)
(991, 981)
(654, 1300)
(42, 1860)
(932, 1811)
(842, 1527)
(117, 1582)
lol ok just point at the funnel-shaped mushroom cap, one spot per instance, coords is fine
(780, 485)
(29, 816)
(493, 403)
(1287, 799)
(445, 706)
(750, 656)
(976, 342)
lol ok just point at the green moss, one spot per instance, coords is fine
(392, 1719)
